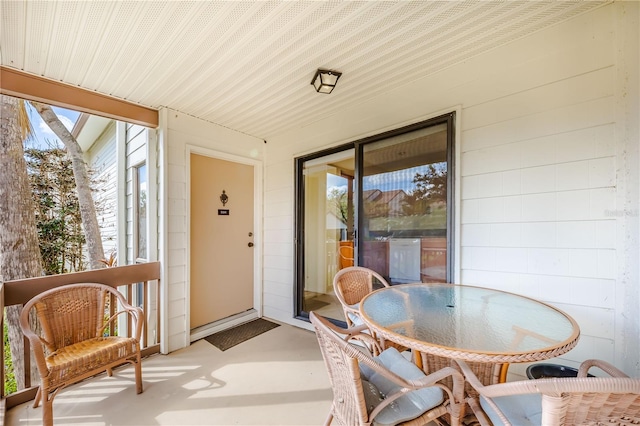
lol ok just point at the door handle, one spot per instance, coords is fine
(250, 244)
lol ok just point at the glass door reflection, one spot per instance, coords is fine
(403, 223)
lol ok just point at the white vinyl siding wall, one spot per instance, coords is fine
(544, 178)
(136, 154)
(101, 158)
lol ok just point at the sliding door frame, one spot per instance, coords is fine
(449, 120)
(358, 145)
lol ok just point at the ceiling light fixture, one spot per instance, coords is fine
(325, 80)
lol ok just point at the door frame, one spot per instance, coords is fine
(454, 197)
(256, 312)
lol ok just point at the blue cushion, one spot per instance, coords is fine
(408, 406)
(355, 318)
(521, 410)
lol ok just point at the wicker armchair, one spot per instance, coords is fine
(351, 285)
(578, 400)
(70, 342)
(387, 389)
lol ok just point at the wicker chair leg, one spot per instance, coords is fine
(47, 411)
(138, 369)
(109, 372)
(329, 419)
(36, 400)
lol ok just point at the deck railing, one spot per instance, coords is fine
(139, 283)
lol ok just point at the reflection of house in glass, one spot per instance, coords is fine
(387, 203)
(336, 226)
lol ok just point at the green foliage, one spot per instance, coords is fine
(430, 190)
(10, 384)
(58, 216)
(337, 203)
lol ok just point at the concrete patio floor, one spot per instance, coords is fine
(277, 378)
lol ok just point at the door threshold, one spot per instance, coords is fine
(221, 325)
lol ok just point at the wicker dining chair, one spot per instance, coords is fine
(71, 341)
(386, 389)
(578, 400)
(351, 285)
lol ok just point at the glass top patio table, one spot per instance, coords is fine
(469, 323)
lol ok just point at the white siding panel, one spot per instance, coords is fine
(578, 234)
(539, 234)
(538, 179)
(278, 222)
(546, 123)
(555, 95)
(506, 235)
(605, 234)
(280, 175)
(278, 276)
(470, 213)
(491, 210)
(177, 257)
(512, 182)
(470, 186)
(277, 288)
(279, 249)
(278, 262)
(593, 347)
(101, 158)
(490, 184)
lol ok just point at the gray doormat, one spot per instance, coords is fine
(229, 338)
(314, 304)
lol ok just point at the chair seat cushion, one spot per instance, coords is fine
(408, 406)
(521, 410)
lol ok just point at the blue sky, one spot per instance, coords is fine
(43, 137)
(401, 179)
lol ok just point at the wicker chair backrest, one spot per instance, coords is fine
(71, 314)
(344, 375)
(356, 282)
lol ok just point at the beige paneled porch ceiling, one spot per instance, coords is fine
(247, 65)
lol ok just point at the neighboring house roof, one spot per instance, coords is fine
(391, 199)
(371, 194)
(88, 129)
(389, 196)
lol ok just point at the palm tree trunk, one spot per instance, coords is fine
(83, 185)
(19, 250)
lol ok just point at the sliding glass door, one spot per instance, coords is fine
(404, 215)
(383, 203)
(326, 237)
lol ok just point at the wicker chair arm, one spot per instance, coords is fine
(552, 386)
(348, 308)
(602, 365)
(456, 395)
(357, 333)
(35, 341)
(135, 312)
